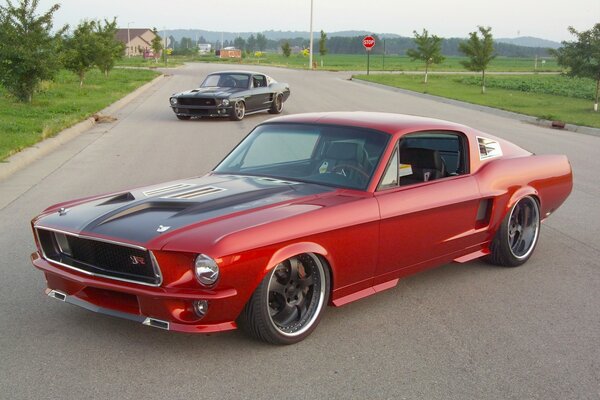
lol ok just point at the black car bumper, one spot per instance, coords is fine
(201, 111)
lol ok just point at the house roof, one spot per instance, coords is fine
(133, 33)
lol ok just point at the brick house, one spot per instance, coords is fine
(137, 41)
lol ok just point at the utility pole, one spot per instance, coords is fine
(310, 48)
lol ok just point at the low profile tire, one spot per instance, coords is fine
(184, 117)
(288, 304)
(518, 235)
(238, 111)
(277, 105)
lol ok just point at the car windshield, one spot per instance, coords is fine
(337, 156)
(232, 80)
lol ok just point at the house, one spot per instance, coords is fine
(137, 41)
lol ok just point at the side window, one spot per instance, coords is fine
(426, 156)
(259, 81)
(390, 177)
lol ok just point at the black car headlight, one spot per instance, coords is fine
(173, 100)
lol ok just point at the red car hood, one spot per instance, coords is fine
(150, 216)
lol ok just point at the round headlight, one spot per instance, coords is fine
(206, 270)
(225, 102)
(173, 100)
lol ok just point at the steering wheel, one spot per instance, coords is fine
(352, 167)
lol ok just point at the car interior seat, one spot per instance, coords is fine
(426, 165)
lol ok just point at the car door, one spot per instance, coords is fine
(426, 222)
(260, 97)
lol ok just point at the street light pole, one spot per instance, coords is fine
(310, 49)
(128, 41)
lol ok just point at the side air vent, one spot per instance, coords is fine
(192, 194)
(167, 189)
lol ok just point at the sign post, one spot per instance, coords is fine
(368, 42)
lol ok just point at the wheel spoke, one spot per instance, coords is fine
(287, 315)
(277, 287)
(307, 282)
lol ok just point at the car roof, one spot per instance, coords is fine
(237, 72)
(383, 122)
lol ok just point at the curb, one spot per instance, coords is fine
(27, 156)
(490, 110)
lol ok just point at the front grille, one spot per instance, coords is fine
(191, 101)
(111, 260)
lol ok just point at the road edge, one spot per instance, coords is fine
(490, 110)
(25, 157)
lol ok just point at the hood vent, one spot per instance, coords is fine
(167, 189)
(192, 194)
(121, 198)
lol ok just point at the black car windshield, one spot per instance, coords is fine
(231, 80)
(332, 155)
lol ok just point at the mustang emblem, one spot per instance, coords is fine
(136, 260)
(162, 228)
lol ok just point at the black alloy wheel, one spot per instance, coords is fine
(288, 304)
(277, 104)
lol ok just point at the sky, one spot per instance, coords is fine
(547, 19)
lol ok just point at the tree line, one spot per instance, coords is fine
(31, 52)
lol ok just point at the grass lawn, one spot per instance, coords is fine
(61, 104)
(534, 102)
(351, 62)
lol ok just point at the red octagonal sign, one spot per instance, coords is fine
(368, 42)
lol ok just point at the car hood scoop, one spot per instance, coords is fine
(211, 92)
(141, 215)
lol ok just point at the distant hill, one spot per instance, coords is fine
(212, 36)
(529, 41)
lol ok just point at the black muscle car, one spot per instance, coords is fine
(232, 94)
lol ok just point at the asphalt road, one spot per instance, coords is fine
(467, 331)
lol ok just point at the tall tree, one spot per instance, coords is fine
(251, 44)
(429, 50)
(156, 44)
(323, 44)
(480, 52)
(582, 57)
(286, 49)
(28, 48)
(261, 41)
(79, 49)
(108, 47)
(239, 43)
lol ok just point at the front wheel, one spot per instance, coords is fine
(288, 304)
(516, 239)
(238, 111)
(277, 104)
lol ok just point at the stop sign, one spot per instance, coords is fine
(368, 42)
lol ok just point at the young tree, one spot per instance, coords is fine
(429, 50)
(323, 44)
(28, 49)
(479, 51)
(156, 44)
(108, 47)
(261, 41)
(286, 49)
(79, 49)
(582, 57)
(251, 44)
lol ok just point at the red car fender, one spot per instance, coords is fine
(294, 249)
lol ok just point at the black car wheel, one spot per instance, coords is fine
(516, 239)
(277, 104)
(238, 111)
(183, 117)
(288, 304)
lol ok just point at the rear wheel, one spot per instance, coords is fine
(238, 111)
(518, 235)
(288, 304)
(183, 117)
(277, 104)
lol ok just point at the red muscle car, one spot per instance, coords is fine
(307, 211)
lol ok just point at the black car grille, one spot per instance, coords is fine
(106, 259)
(190, 101)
